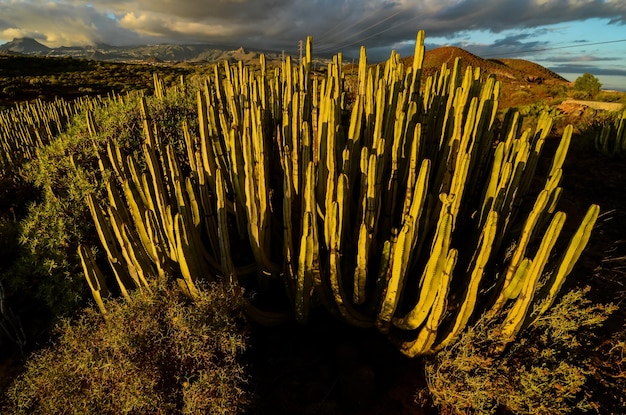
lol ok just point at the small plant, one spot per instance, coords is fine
(544, 372)
(532, 112)
(537, 108)
(159, 354)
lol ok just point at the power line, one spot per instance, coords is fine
(359, 40)
(344, 28)
(333, 47)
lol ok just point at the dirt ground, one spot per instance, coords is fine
(596, 105)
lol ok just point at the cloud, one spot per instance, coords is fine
(496, 15)
(336, 25)
(583, 58)
(587, 68)
(516, 44)
(60, 23)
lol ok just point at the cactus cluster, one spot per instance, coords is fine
(402, 209)
(29, 126)
(612, 139)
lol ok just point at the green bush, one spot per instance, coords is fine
(544, 372)
(51, 224)
(588, 85)
(159, 354)
(557, 91)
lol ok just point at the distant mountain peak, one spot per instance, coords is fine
(25, 45)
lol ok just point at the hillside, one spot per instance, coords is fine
(27, 77)
(25, 46)
(512, 70)
(528, 67)
(523, 82)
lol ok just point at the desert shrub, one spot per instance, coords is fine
(531, 113)
(535, 109)
(591, 123)
(159, 354)
(520, 94)
(582, 95)
(10, 90)
(46, 265)
(544, 372)
(43, 231)
(53, 223)
(587, 85)
(611, 96)
(557, 91)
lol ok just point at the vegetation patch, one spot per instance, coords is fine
(160, 353)
(544, 372)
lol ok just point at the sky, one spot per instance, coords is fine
(571, 37)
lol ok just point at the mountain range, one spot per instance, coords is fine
(146, 53)
(506, 69)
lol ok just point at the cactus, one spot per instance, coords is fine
(28, 127)
(228, 269)
(427, 335)
(516, 315)
(569, 258)
(612, 138)
(94, 276)
(476, 271)
(390, 211)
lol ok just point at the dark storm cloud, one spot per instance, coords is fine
(279, 24)
(496, 15)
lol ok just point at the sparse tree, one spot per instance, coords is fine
(588, 84)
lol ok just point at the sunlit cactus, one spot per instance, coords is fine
(29, 126)
(396, 211)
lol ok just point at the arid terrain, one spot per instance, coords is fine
(328, 368)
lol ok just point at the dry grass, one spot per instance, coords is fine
(161, 354)
(544, 372)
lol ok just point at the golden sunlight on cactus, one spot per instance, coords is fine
(398, 205)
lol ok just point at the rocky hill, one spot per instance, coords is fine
(512, 70)
(26, 46)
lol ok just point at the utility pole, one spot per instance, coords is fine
(300, 49)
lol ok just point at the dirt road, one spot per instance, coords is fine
(597, 105)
